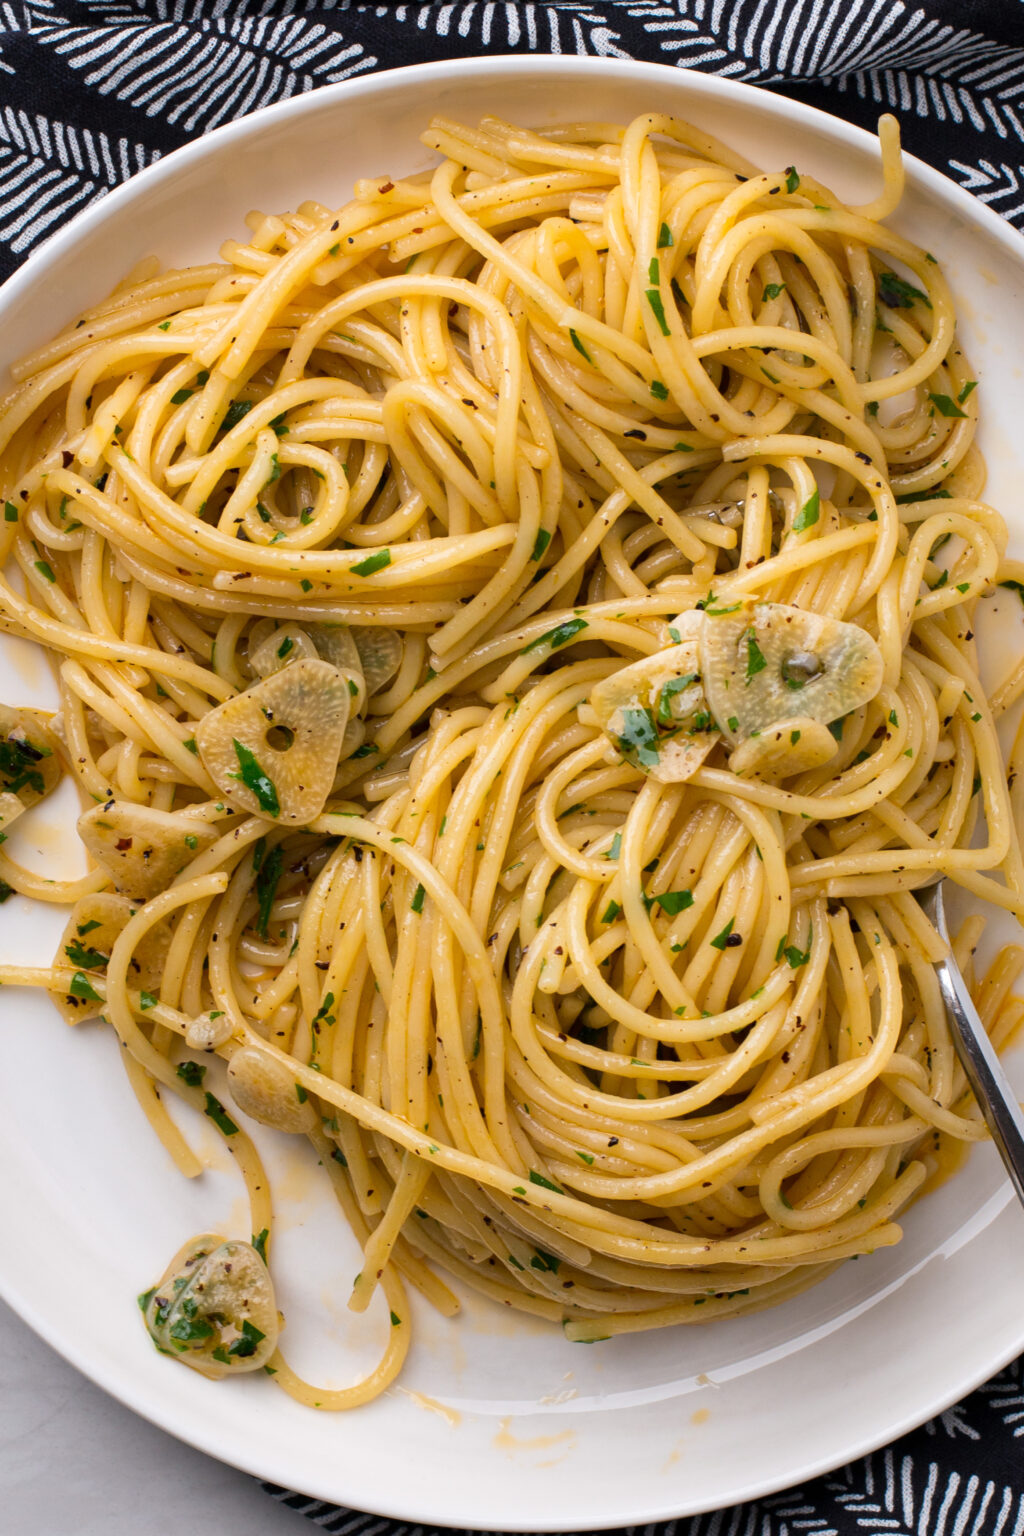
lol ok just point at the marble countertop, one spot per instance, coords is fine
(74, 1462)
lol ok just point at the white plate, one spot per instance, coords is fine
(498, 1422)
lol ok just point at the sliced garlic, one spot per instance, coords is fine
(214, 1307)
(94, 926)
(289, 643)
(790, 746)
(29, 762)
(264, 1089)
(273, 750)
(380, 654)
(772, 667)
(656, 713)
(207, 1031)
(142, 850)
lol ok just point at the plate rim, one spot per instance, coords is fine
(49, 255)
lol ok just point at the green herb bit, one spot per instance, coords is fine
(416, 905)
(147, 1001)
(755, 656)
(580, 348)
(721, 940)
(191, 1073)
(668, 692)
(217, 1113)
(674, 902)
(543, 1260)
(946, 406)
(560, 635)
(611, 912)
(267, 878)
(771, 291)
(181, 395)
(971, 384)
(655, 301)
(538, 1178)
(234, 414)
(792, 178)
(639, 735)
(808, 514)
(10, 512)
(256, 780)
(374, 562)
(87, 959)
(616, 847)
(898, 294)
(541, 543)
(245, 1345)
(45, 570)
(665, 240)
(82, 987)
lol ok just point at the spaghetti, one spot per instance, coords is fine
(515, 690)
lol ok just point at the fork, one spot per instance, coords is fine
(996, 1098)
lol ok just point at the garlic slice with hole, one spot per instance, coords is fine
(143, 850)
(656, 713)
(273, 750)
(264, 1089)
(772, 668)
(214, 1307)
(95, 924)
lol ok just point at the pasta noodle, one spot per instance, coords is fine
(514, 639)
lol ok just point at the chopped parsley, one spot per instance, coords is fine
(639, 735)
(755, 656)
(808, 514)
(256, 780)
(560, 635)
(267, 878)
(374, 562)
(219, 1115)
(580, 348)
(946, 406)
(897, 294)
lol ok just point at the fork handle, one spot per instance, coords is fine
(996, 1098)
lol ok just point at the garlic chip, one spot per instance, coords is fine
(143, 850)
(95, 924)
(790, 746)
(273, 750)
(380, 654)
(288, 643)
(264, 1089)
(656, 713)
(214, 1308)
(29, 764)
(772, 668)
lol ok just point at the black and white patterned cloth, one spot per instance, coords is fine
(92, 91)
